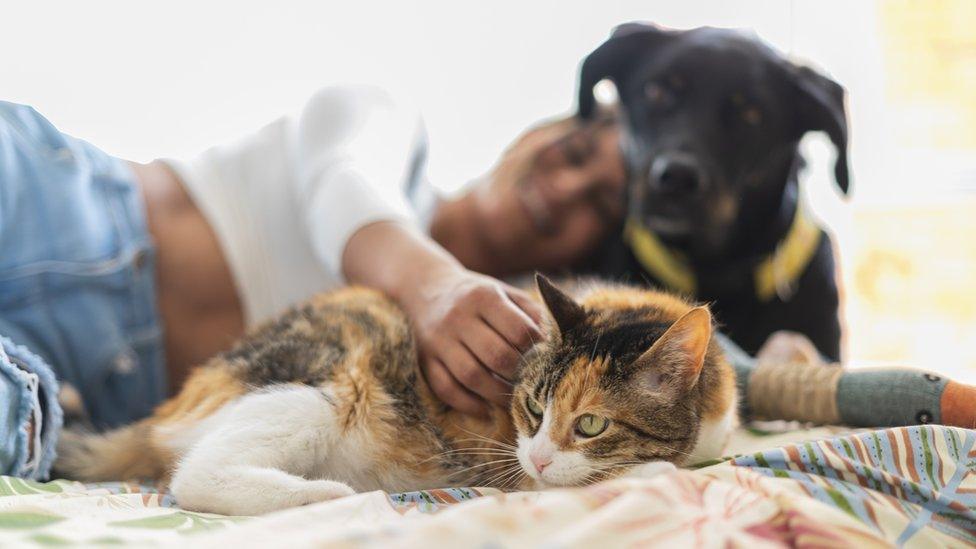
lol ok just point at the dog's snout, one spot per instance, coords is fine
(677, 174)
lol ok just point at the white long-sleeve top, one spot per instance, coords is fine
(285, 200)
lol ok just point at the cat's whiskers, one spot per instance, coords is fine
(476, 441)
(503, 475)
(487, 478)
(464, 452)
(505, 448)
(591, 478)
(596, 474)
(512, 480)
(500, 457)
(479, 449)
(506, 463)
(477, 478)
(675, 450)
(481, 452)
(595, 345)
(521, 475)
(507, 469)
(486, 439)
(463, 456)
(617, 466)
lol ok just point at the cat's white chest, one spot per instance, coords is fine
(713, 436)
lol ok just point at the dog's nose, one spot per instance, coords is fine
(678, 175)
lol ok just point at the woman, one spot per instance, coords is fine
(117, 277)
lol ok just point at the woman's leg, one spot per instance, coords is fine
(30, 417)
(77, 293)
(804, 390)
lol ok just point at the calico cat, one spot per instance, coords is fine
(328, 400)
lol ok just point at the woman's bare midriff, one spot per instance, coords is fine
(198, 302)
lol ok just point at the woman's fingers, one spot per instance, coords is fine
(491, 349)
(450, 391)
(516, 318)
(469, 372)
(524, 301)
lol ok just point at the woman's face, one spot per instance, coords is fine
(554, 195)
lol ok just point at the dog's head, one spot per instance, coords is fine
(713, 118)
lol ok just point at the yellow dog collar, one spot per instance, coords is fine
(775, 275)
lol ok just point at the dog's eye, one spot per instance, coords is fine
(655, 93)
(676, 81)
(752, 116)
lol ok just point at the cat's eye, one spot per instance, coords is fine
(590, 425)
(533, 406)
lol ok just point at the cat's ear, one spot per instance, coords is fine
(676, 358)
(564, 310)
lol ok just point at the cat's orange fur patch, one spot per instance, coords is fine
(669, 308)
(715, 404)
(580, 393)
(205, 391)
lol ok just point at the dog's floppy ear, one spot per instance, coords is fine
(821, 108)
(614, 60)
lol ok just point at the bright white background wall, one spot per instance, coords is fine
(148, 79)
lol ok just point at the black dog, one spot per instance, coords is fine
(712, 122)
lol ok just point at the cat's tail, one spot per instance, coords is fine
(123, 454)
(139, 451)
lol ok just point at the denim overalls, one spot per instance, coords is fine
(77, 288)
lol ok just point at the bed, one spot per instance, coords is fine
(910, 486)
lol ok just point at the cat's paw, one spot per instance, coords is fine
(316, 491)
(651, 469)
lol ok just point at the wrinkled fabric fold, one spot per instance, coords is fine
(27, 387)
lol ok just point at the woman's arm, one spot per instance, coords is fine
(357, 149)
(471, 329)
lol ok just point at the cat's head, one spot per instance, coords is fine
(622, 379)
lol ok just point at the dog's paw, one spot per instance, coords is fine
(651, 469)
(786, 347)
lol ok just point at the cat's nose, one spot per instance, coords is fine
(540, 462)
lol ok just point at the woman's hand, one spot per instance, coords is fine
(471, 330)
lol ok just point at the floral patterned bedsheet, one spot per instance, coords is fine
(911, 486)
